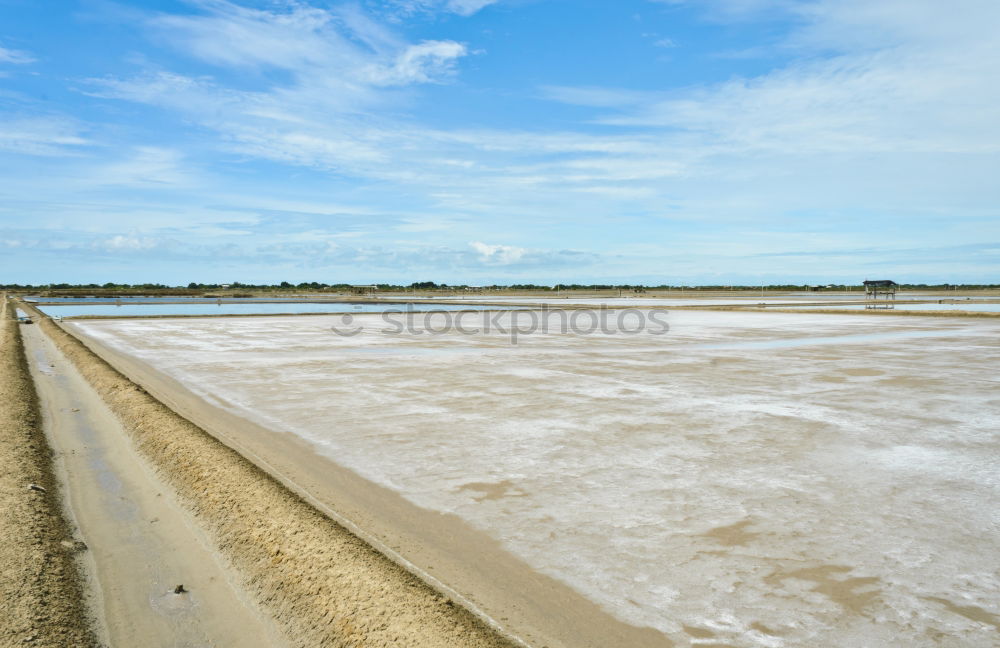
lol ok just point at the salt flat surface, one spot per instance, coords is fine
(947, 306)
(679, 299)
(664, 302)
(747, 479)
(231, 308)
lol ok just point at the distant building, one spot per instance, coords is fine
(880, 293)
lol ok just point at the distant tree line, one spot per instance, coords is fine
(201, 288)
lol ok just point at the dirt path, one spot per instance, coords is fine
(40, 592)
(141, 543)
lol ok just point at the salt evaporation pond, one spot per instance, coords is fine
(748, 479)
(814, 301)
(151, 300)
(805, 303)
(903, 306)
(229, 308)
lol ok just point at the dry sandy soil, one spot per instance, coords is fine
(757, 479)
(41, 598)
(141, 542)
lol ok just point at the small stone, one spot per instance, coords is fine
(36, 487)
(179, 589)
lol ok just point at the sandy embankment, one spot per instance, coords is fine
(141, 543)
(321, 584)
(40, 592)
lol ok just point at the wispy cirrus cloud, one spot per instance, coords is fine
(424, 62)
(145, 166)
(41, 135)
(16, 57)
(340, 67)
(460, 7)
(900, 72)
(335, 49)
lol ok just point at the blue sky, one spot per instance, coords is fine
(506, 141)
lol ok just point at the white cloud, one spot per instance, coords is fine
(913, 75)
(342, 68)
(146, 166)
(328, 115)
(421, 63)
(232, 35)
(16, 57)
(126, 243)
(339, 50)
(461, 7)
(498, 254)
(46, 136)
(468, 7)
(518, 259)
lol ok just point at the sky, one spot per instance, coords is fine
(500, 141)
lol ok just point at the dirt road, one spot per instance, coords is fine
(140, 543)
(40, 592)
